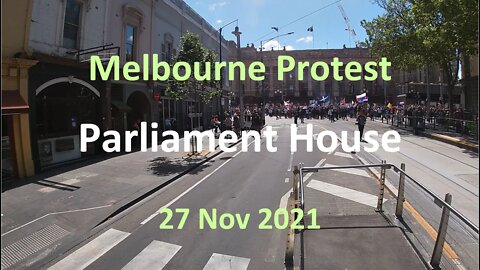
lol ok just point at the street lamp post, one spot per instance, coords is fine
(222, 113)
(237, 34)
(261, 57)
(428, 86)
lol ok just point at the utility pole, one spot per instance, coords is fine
(261, 60)
(384, 92)
(263, 87)
(222, 112)
(428, 86)
(222, 117)
(237, 33)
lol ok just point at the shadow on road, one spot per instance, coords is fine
(57, 169)
(163, 166)
(471, 153)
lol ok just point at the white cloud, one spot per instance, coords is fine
(214, 6)
(219, 21)
(307, 39)
(289, 48)
(276, 46)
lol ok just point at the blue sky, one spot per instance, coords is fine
(256, 17)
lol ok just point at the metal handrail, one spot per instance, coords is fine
(442, 202)
(398, 170)
(445, 204)
(467, 127)
(302, 197)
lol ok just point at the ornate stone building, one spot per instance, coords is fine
(302, 91)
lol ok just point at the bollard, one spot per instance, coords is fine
(401, 191)
(289, 252)
(382, 188)
(442, 232)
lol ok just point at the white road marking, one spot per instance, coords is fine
(287, 179)
(193, 186)
(359, 172)
(56, 213)
(60, 185)
(459, 264)
(346, 193)
(87, 254)
(284, 199)
(389, 185)
(155, 256)
(331, 152)
(290, 162)
(342, 154)
(220, 262)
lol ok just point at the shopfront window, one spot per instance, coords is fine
(62, 107)
(7, 155)
(60, 110)
(194, 116)
(168, 117)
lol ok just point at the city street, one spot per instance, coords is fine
(245, 182)
(242, 135)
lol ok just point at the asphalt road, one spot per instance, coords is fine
(242, 183)
(441, 167)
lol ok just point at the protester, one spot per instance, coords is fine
(362, 120)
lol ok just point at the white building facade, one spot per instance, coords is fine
(65, 33)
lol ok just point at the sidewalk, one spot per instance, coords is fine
(443, 136)
(73, 199)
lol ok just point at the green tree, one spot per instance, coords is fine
(418, 33)
(191, 51)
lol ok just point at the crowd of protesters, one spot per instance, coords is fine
(252, 120)
(415, 116)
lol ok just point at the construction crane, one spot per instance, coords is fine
(347, 23)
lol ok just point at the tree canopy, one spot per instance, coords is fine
(190, 51)
(418, 33)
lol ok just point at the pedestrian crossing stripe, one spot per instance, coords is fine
(345, 193)
(354, 171)
(90, 252)
(342, 154)
(220, 262)
(156, 255)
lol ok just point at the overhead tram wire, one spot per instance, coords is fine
(298, 19)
